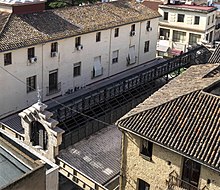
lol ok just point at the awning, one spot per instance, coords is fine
(176, 52)
(162, 48)
(97, 66)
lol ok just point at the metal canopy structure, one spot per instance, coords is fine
(75, 110)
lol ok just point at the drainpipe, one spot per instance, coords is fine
(110, 50)
(122, 171)
(139, 45)
(42, 70)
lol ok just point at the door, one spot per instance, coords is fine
(53, 81)
(191, 173)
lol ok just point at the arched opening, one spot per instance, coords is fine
(38, 135)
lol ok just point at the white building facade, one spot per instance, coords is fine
(182, 26)
(82, 50)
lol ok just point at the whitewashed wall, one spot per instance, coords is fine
(13, 96)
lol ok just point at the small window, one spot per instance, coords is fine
(7, 59)
(77, 41)
(77, 69)
(133, 28)
(197, 19)
(116, 32)
(180, 18)
(208, 20)
(115, 56)
(54, 47)
(142, 185)
(98, 36)
(31, 83)
(146, 148)
(146, 46)
(213, 18)
(31, 53)
(148, 24)
(165, 15)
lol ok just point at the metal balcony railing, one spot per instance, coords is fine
(54, 90)
(176, 183)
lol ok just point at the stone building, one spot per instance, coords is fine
(63, 50)
(171, 140)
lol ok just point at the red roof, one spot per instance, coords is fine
(152, 4)
(195, 7)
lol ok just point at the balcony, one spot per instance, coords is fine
(53, 89)
(176, 183)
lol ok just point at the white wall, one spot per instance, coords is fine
(13, 94)
(188, 25)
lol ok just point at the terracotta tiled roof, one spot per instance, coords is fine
(182, 116)
(3, 20)
(152, 4)
(215, 57)
(35, 28)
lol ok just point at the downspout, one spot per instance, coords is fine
(42, 70)
(110, 46)
(139, 45)
(122, 172)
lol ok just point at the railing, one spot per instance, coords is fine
(176, 183)
(53, 90)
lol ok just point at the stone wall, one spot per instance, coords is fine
(155, 172)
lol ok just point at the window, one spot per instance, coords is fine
(133, 28)
(53, 81)
(142, 185)
(148, 24)
(165, 15)
(180, 18)
(196, 21)
(98, 36)
(146, 148)
(213, 18)
(179, 36)
(146, 46)
(115, 56)
(77, 69)
(194, 38)
(97, 67)
(31, 83)
(164, 34)
(38, 135)
(31, 53)
(77, 41)
(54, 47)
(191, 173)
(116, 32)
(7, 59)
(208, 20)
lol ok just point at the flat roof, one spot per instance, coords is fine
(11, 168)
(98, 157)
(190, 7)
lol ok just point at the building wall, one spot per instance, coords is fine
(34, 180)
(13, 92)
(188, 25)
(155, 172)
